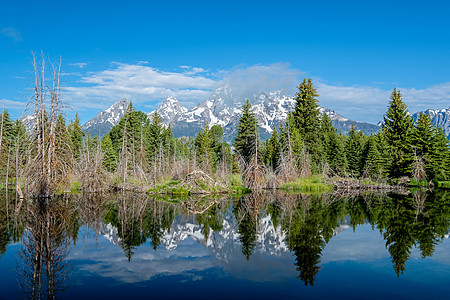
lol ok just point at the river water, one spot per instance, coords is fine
(264, 246)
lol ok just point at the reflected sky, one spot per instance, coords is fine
(351, 243)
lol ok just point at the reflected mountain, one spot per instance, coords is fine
(277, 225)
(259, 237)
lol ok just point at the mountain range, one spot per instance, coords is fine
(223, 108)
(439, 118)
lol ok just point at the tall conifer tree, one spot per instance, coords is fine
(247, 139)
(398, 128)
(306, 118)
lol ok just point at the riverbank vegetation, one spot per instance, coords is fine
(305, 153)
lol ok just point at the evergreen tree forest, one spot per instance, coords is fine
(141, 151)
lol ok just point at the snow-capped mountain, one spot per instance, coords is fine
(107, 119)
(223, 108)
(439, 118)
(29, 121)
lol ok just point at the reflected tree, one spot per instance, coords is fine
(43, 269)
(158, 218)
(126, 215)
(246, 213)
(212, 219)
(304, 238)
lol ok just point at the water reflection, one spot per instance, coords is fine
(234, 232)
(43, 268)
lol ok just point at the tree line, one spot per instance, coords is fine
(308, 143)
(143, 151)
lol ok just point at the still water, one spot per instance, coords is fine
(265, 246)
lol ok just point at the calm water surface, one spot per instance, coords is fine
(266, 245)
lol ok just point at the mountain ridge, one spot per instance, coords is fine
(223, 108)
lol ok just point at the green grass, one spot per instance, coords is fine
(313, 184)
(240, 190)
(168, 185)
(234, 180)
(75, 187)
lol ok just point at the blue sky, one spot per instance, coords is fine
(355, 51)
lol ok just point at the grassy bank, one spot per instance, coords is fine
(313, 184)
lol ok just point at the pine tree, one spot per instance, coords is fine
(76, 136)
(306, 112)
(385, 153)
(153, 137)
(247, 137)
(327, 131)
(438, 167)
(422, 135)
(372, 161)
(6, 137)
(109, 155)
(270, 150)
(353, 152)
(204, 149)
(333, 146)
(398, 127)
(306, 118)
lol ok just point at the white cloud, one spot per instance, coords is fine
(80, 65)
(147, 86)
(361, 103)
(140, 84)
(12, 33)
(247, 81)
(11, 104)
(366, 103)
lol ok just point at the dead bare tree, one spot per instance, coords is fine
(305, 166)
(49, 166)
(418, 168)
(91, 172)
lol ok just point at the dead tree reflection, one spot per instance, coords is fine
(43, 268)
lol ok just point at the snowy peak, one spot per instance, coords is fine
(169, 110)
(439, 118)
(28, 121)
(223, 108)
(107, 119)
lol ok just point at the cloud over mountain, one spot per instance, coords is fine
(148, 86)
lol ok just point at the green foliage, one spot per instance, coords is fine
(306, 119)
(76, 136)
(110, 156)
(353, 152)
(372, 160)
(240, 190)
(438, 167)
(304, 236)
(271, 149)
(333, 146)
(443, 184)
(129, 130)
(247, 138)
(398, 129)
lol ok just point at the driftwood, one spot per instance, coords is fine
(197, 180)
(198, 207)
